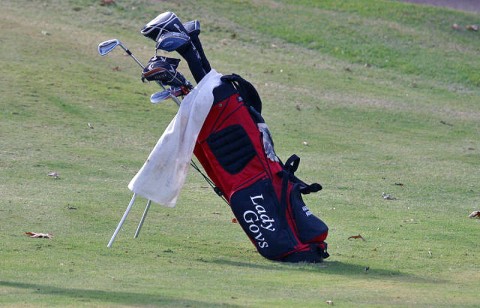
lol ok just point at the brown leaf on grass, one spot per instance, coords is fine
(356, 237)
(456, 27)
(107, 2)
(475, 214)
(234, 221)
(38, 235)
(472, 27)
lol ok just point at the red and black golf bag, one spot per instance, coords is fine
(235, 148)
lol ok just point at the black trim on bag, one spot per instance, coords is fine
(232, 148)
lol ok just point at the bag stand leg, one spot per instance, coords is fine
(143, 219)
(110, 243)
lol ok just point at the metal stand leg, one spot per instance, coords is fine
(143, 219)
(110, 243)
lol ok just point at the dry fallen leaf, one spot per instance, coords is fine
(472, 27)
(456, 27)
(388, 196)
(234, 221)
(356, 237)
(54, 175)
(38, 235)
(107, 2)
(474, 214)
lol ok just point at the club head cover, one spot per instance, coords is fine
(192, 27)
(164, 69)
(163, 23)
(160, 68)
(159, 60)
(171, 41)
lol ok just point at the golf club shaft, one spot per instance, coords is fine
(176, 100)
(131, 55)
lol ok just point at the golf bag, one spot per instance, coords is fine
(236, 150)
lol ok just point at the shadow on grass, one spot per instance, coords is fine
(333, 268)
(114, 297)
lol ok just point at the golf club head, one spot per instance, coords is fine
(160, 96)
(172, 92)
(107, 46)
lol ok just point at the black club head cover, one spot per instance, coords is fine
(163, 23)
(164, 70)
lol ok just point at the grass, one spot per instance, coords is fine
(370, 125)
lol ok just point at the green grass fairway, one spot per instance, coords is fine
(375, 96)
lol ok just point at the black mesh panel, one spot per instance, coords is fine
(232, 148)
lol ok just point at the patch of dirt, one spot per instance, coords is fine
(472, 6)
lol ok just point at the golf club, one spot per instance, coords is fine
(107, 46)
(160, 96)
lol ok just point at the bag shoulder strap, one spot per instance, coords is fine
(246, 90)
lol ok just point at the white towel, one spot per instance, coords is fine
(162, 176)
